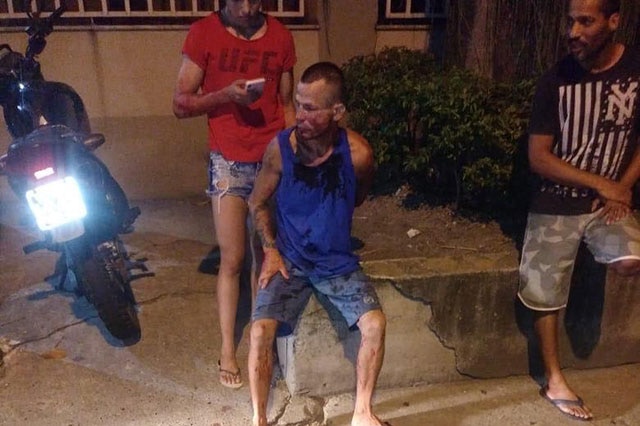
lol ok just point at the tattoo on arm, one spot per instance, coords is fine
(263, 191)
(264, 226)
(268, 245)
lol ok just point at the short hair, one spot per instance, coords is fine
(609, 7)
(330, 73)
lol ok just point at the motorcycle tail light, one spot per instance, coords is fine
(41, 174)
(29, 161)
(56, 203)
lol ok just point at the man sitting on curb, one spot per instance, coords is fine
(318, 172)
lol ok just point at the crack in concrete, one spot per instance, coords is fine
(54, 331)
(172, 294)
(409, 296)
(319, 418)
(4, 324)
(311, 416)
(430, 324)
(8, 346)
(437, 326)
(281, 412)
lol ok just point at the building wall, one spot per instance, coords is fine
(126, 79)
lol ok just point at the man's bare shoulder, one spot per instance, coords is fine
(272, 158)
(355, 137)
(359, 146)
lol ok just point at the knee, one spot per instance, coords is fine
(232, 262)
(263, 333)
(373, 324)
(626, 267)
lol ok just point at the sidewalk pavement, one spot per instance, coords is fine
(61, 367)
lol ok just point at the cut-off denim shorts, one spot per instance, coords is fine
(230, 177)
(351, 294)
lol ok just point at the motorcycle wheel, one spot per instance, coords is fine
(104, 280)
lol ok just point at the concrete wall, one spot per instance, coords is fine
(126, 79)
(452, 318)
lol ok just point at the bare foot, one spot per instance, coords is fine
(367, 420)
(565, 400)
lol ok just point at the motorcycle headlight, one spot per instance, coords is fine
(56, 203)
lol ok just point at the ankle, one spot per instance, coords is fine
(558, 384)
(259, 421)
(362, 410)
(227, 358)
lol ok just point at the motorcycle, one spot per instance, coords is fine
(75, 201)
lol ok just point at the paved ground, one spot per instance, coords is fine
(62, 368)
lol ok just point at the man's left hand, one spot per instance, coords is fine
(612, 211)
(271, 265)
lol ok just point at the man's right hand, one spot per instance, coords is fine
(271, 265)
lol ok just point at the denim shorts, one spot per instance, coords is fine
(550, 247)
(230, 177)
(284, 300)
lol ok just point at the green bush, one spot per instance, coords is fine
(450, 135)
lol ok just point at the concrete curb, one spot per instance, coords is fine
(451, 319)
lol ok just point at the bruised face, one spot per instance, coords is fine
(589, 30)
(317, 116)
(243, 13)
(316, 113)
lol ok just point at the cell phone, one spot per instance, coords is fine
(255, 86)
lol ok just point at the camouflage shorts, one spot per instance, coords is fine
(550, 247)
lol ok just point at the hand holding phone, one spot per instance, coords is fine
(255, 87)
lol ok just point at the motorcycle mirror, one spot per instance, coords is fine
(39, 29)
(42, 27)
(3, 163)
(57, 13)
(32, 14)
(93, 141)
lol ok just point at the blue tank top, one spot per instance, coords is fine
(314, 210)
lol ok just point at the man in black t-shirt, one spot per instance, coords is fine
(584, 144)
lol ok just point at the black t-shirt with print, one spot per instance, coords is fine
(595, 121)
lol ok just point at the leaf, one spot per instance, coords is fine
(55, 353)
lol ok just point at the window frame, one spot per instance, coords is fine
(12, 19)
(408, 18)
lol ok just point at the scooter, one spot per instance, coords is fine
(75, 201)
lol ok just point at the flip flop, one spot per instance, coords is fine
(565, 403)
(236, 380)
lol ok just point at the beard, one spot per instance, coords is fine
(586, 53)
(246, 29)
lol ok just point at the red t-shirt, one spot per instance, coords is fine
(241, 133)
